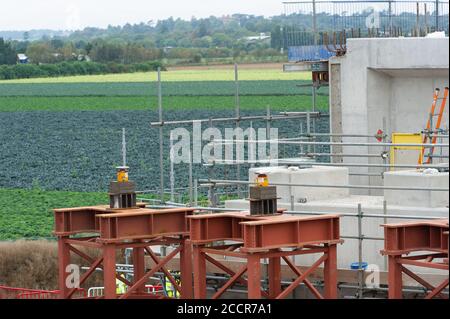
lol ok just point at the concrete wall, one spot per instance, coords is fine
(385, 83)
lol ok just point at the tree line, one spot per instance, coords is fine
(26, 71)
(177, 41)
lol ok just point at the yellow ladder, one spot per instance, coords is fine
(430, 133)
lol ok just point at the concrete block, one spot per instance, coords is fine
(417, 178)
(312, 176)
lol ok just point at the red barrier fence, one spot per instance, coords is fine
(24, 293)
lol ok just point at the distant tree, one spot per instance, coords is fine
(203, 28)
(88, 48)
(222, 40)
(7, 53)
(68, 52)
(40, 53)
(26, 36)
(57, 43)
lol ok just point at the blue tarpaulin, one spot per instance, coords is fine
(309, 53)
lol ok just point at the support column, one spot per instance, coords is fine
(336, 110)
(274, 277)
(395, 278)
(186, 269)
(254, 276)
(330, 273)
(199, 273)
(63, 262)
(139, 266)
(109, 271)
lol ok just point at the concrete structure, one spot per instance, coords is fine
(384, 83)
(423, 178)
(314, 175)
(340, 201)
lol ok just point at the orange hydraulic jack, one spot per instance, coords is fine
(137, 228)
(403, 239)
(274, 237)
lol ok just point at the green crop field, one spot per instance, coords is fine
(60, 136)
(92, 103)
(188, 88)
(28, 213)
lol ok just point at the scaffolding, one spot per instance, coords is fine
(312, 21)
(307, 143)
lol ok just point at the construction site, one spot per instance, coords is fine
(360, 212)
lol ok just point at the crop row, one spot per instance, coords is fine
(110, 103)
(193, 88)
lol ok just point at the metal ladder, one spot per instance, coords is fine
(431, 132)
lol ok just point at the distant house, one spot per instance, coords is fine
(22, 58)
(261, 37)
(167, 49)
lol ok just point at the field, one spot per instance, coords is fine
(61, 138)
(28, 213)
(182, 75)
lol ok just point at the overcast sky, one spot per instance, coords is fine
(77, 14)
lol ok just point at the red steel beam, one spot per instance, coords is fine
(423, 264)
(150, 273)
(302, 278)
(437, 290)
(230, 272)
(230, 282)
(143, 224)
(163, 269)
(404, 238)
(420, 280)
(299, 273)
(72, 221)
(218, 227)
(187, 285)
(282, 232)
(63, 262)
(264, 233)
(86, 275)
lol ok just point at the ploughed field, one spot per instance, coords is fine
(61, 137)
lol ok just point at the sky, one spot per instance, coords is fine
(78, 14)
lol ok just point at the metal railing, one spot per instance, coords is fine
(311, 20)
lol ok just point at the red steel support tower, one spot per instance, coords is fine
(106, 229)
(254, 238)
(420, 244)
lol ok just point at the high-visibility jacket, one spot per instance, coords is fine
(171, 291)
(121, 287)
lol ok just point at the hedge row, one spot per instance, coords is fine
(26, 71)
